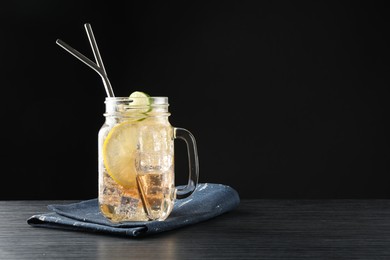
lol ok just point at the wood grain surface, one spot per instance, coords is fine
(257, 229)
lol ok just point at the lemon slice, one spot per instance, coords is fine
(119, 151)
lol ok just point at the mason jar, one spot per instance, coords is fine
(136, 160)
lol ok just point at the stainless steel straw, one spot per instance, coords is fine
(98, 66)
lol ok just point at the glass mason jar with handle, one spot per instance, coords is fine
(136, 160)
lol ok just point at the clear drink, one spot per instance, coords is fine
(136, 161)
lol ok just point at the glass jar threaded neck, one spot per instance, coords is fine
(133, 107)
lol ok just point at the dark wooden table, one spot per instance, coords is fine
(257, 229)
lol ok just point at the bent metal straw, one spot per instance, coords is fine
(98, 66)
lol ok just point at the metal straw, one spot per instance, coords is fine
(142, 194)
(98, 58)
(95, 49)
(98, 66)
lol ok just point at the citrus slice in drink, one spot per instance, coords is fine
(140, 102)
(119, 152)
(139, 94)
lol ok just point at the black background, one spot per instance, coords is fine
(286, 99)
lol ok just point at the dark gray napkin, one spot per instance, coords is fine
(208, 201)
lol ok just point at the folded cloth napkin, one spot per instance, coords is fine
(208, 201)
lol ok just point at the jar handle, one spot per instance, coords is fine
(184, 134)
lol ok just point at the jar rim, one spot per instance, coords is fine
(154, 100)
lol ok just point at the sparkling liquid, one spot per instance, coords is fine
(152, 199)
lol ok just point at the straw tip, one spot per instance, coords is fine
(60, 42)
